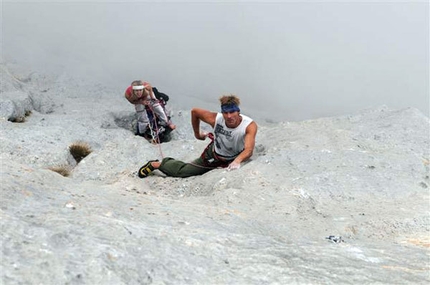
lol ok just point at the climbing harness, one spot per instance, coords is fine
(209, 158)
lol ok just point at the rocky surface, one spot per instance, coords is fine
(337, 200)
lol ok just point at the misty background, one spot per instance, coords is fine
(286, 60)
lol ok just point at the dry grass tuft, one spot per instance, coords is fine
(18, 120)
(21, 119)
(79, 150)
(63, 170)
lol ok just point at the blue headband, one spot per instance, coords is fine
(229, 108)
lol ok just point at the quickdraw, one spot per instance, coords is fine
(154, 133)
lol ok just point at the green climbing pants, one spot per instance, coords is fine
(206, 162)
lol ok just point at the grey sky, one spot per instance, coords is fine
(288, 60)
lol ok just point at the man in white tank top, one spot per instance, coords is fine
(232, 142)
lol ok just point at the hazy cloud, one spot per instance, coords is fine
(288, 60)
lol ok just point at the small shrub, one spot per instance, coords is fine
(63, 170)
(21, 119)
(79, 150)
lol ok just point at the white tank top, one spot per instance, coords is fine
(229, 142)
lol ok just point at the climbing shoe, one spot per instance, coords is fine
(145, 170)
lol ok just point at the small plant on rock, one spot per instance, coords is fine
(21, 119)
(79, 150)
(63, 170)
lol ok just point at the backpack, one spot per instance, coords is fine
(160, 96)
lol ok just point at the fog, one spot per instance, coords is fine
(286, 60)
